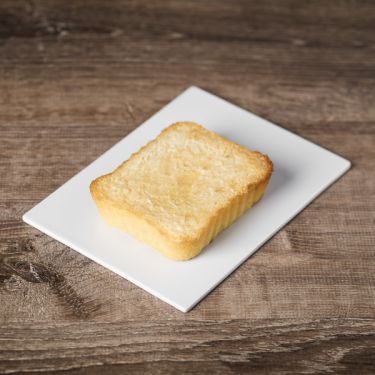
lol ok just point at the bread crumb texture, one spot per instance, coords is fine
(180, 190)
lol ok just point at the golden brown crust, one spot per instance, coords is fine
(182, 247)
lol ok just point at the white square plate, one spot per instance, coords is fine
(302, 170)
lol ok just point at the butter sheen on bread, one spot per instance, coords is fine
(181, 189)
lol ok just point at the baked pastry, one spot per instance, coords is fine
(181, 189)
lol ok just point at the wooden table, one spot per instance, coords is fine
(76, 77)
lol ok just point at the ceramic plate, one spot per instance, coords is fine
(302, 170)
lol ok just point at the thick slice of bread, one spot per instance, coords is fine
(180, 190)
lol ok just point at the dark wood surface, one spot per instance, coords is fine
(76, 77)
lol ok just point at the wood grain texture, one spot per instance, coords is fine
(243, 346)
(77, 77)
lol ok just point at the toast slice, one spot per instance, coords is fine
(181, 189)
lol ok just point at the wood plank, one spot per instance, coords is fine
(237, 346)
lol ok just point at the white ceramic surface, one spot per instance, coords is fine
(302, 170)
